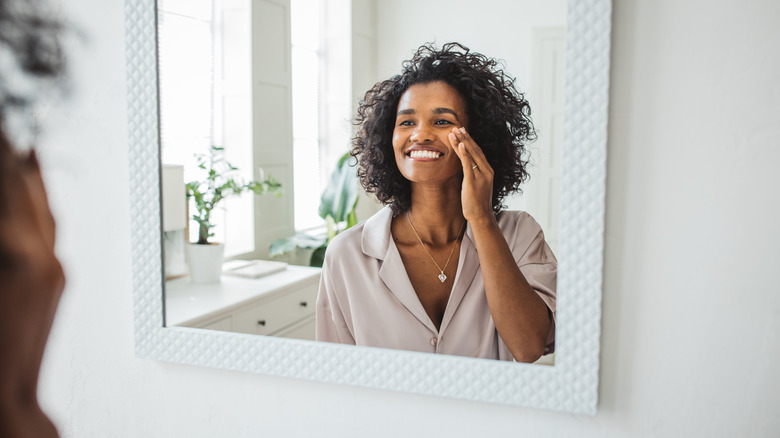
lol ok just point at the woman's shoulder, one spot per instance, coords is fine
(525, 237)
(347, 240)
(517, 219)
(369, 238)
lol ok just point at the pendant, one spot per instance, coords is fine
(442, 277)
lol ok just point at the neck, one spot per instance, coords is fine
(437, 213)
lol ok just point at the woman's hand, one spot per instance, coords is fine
(477, 192)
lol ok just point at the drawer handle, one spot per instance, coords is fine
(304, 304)
(261, 322)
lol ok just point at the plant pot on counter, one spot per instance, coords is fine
(205, 262)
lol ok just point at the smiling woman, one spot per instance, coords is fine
(571, 384)
(497, 299)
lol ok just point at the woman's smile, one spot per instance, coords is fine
(420, 153)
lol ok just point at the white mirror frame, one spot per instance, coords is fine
(570, 385)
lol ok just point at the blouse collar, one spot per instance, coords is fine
(376, 243)
(376, 234)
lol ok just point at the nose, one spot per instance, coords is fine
(421, 134)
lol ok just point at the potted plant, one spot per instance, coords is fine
(221, 181)
(337, 206)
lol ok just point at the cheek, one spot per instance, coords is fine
(398, 144)
(398, 140)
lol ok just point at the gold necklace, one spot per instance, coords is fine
(441, 275)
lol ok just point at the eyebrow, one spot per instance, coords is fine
(404, 112)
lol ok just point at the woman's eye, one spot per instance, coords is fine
(443, 122)
(406, 123)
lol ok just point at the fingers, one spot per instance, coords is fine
(465, 158)
(473, 152)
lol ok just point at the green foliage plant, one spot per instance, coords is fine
(337, 206)
(222, 181)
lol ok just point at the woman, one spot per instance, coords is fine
(31, 277)
(442, 268)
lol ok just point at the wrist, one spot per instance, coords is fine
(483, 222)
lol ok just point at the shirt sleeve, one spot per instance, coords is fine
(330, 323)
(539, 266)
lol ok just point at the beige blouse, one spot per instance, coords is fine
(366, 298)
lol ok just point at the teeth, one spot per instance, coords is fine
(424, 154)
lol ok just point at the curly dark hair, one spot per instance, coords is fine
(30, 47)
(499, 121)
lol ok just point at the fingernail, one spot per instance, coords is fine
(462, 130)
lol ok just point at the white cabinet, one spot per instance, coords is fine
(223, 324)
(281, 304)
(270, 316)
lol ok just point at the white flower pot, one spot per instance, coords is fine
(205, 262)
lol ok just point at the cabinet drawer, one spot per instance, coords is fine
(304, 329)
(272, 315)
(224, 324)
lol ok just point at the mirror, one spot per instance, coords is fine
(571, 385)
(208, 55)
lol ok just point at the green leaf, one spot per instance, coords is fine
(318, 257)
(301, 240)
(333, 228)
(352, 218)
(341, 194)
(221, 182)
(282, 246)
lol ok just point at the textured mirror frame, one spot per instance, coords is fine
(570, 385)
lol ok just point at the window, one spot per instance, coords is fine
(223, 82)
(205, 99)
(322, 78)
(307, 58)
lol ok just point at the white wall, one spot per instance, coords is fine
(691, 294)
(495, 28)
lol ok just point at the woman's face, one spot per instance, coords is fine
(426, 115)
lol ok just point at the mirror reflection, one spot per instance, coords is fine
(257, 99)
